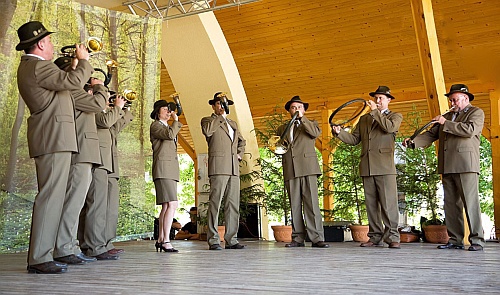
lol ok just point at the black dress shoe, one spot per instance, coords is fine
(49, 267)
(106, 256)
(320, 244)
(70, 259)
(86, 258)
(215, 247)
(294, 244)
(475, 247)
(451, 246)
(236, 246)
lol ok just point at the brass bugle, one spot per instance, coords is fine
(426, 126)
(177, 102)
(279, 144)
(223, 102)
(93, 45)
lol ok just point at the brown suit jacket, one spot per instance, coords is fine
(301, 159)
(163, 142)
(377, 134)
(86, 107)
(104, 120)
(114, 130)
(458, 141)
(222, 152)
(45, 90)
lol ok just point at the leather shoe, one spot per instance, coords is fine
(236, 246)
(106, 256)
(475, 247)
(115, 251)
(320, 244)
(451, 246)
(395, 245)
(215, 247)
(49, 267)
(70, 259)
(294, 244)
(371, 244)
(86, 258)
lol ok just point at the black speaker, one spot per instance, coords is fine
(250, 227)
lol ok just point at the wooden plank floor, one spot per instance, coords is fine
(267, 268)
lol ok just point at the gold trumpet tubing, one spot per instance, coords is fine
(111, 63)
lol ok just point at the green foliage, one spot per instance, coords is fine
(349, 204)
(486, 179)
(418, 178)
(276, 199)
(186, 184)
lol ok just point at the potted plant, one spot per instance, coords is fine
(419, 181)
(348, 189)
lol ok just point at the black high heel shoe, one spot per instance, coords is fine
(171, 250)
(158, 246)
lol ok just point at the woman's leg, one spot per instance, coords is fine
(168, 210)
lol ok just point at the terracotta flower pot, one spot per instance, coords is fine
(436, 234)
(282, 233)
(408, 237)
(359, 233)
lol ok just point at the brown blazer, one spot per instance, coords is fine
(114, 130)
(164, 143)
(222, 152)
(377, 134)
(45, 90)
(86, 107)
(104, 120)
(301, 159)
(458, 141)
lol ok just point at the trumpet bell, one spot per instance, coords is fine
(276, 146)
(130, 95)
(111, 63)
(94, 44)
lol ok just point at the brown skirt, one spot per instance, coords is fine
(166, 190)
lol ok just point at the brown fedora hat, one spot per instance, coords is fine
(460, 88)
(382, 90)
(217, 98)
(296, 98)
(30, 33)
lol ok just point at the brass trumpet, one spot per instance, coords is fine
(177, 103)
(93, 45)
(223, 101)
(128, 95)
(279, 144)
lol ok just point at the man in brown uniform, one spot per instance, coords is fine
(51, 135)
(377, 133)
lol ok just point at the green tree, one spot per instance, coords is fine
(349, 200)
(486, 178)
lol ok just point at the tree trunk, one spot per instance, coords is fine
(7, 7)
(8, 184)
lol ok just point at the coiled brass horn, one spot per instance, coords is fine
(279, 144)
(177, 102)
(93, 45)
(128, 95)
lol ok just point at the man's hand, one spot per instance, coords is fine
(371, 104)
(120, 101)
(439, 119)
(336, 129)
(94, 81)
(81, 52)
(408, 143)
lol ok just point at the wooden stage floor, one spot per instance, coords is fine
(267, 268)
